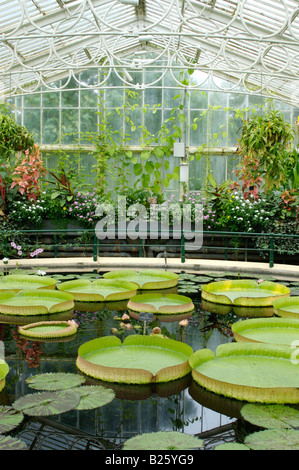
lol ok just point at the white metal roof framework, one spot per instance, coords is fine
(250, 43)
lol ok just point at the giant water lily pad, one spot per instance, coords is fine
(139, 359)
(163, 440)
(4, 369)
(251, 372)
(9, 418)
(271, 416)
(247, 293)
(47, 403)
(287, 307)
(35, 302)
(49, 329)
(17, 282)
(147, 278)
(54, 381)
(161, 303)
(267, 330)
(99, 290)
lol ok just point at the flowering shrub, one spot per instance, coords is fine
(27, 212)
(23, 250)
(199, 210)
(83, 207)
(240, 214)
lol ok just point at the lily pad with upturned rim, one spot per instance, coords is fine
(49, 329)
(54, 381)
(161, 303)
(85, 290)
(139, 359)
(247, 293)
(4, 369)
(287, 307)
(47, 403)
(147, 278)
(163, 440)
(17, 282)
(267, 330)
(35, 302)
(252, 372)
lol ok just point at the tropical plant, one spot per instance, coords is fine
(28, 172)
(263, 146)
(13, 137)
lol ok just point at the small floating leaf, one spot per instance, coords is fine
(11, 443)
(273, 439)
(163, 440)
(55, 381)
(231, 446)
(93, 396)
(9, 418)
(271, 416)
(47, 403)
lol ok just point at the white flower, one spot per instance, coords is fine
(5, 260)
(41, 273)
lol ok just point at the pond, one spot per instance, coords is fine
(180, 405)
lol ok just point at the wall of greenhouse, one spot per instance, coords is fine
(67, 121)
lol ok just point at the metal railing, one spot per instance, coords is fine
(242, 242)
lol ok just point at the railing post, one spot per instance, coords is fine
(271, 257)
(183, 249)
(95, 247)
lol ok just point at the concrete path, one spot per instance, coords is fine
(279, 271)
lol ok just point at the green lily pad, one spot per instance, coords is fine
(9, 418)
(287, 307)
(4, 369)
(161, 303)
(243, 292)
(252, 372)
(85, 290)
(47, 403)
(48, 329)
(147, 278)
(271, 416)
(35, 302)
(55, 381)
(267, 330)
(12, 443)
(163, 440)
(273, 439)
(231, 446)
(17, 282)
(139, 359)
(93, 396)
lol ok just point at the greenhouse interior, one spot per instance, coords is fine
(149, 225)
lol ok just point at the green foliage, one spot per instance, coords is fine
(13, 137)
(265, 146)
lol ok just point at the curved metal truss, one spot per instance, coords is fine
(253, 44)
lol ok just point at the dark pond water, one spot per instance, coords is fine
(180, 405)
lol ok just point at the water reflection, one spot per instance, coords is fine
(178, 405)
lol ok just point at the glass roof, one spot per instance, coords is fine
(251, 43)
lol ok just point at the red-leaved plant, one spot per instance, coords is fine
(26, 175)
